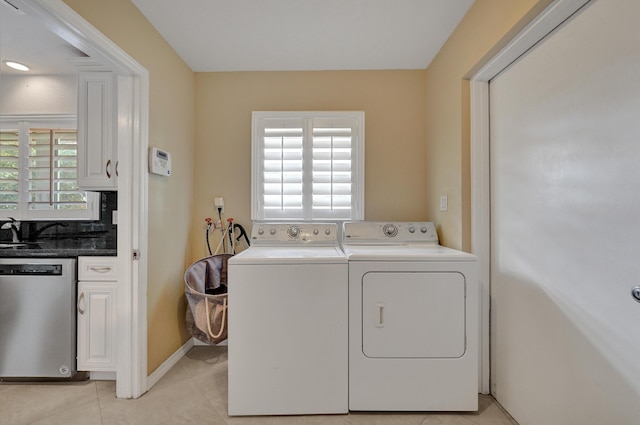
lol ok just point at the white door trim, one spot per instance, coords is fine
(133, 113)
(551, 17)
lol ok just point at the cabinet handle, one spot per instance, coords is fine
(106, 169)
(103, 269)
(80, 299)
(117, 162)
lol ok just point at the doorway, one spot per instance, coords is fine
(132, 139)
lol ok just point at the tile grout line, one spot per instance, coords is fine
(95, 385)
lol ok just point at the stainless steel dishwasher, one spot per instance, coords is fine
(37, 317)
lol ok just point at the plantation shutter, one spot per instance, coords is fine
(282, 168)
(332, 177)
(307, 166)
(52, 178)
(9, 165)
(38, 171)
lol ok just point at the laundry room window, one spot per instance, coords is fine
(308, 166)
(38, 172)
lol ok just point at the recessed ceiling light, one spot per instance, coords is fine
(16, 65)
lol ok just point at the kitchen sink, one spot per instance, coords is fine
(6, 245)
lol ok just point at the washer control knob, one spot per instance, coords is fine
(272, 232)
(390, 230)
(315, 232)
(327, 232)
(261, 231)
(423, 229)
(293, 232)
(412, 229)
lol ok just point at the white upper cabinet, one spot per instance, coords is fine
(97, 155)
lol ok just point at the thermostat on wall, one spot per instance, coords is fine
(159, 162)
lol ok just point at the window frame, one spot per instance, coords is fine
(23, 123)
(306, 119)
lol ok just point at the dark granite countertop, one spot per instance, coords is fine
(55, 248)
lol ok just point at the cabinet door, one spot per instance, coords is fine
(97, 302)
(97, 156)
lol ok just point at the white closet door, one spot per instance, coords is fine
(565, 223)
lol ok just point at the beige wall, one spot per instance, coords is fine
(395, 152)
(171, 127)
(483, 29)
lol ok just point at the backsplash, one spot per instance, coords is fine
(100, 234)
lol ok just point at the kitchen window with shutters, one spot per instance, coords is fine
(38, 172)
(308, 166)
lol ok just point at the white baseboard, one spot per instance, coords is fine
(166, 366)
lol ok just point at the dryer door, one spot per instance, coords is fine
(413, 314)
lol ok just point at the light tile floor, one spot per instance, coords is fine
(193, 392)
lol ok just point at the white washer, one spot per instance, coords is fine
(288, 322)
(413, 320)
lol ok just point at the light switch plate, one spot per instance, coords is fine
(444, 203)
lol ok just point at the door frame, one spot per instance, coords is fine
(552, 17)
(132, 135)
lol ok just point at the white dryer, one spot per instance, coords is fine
(413, 320)
(288, 322)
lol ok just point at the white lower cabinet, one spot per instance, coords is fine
(97, 307)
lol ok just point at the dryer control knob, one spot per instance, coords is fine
(272, 232)
(261, 231)
(423, 229)
(412, 229)
(315, 232)
(327, 232)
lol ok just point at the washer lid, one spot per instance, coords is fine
(290, 255)
(408, 252)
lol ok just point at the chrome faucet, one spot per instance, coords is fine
(14, 225)
(33, 236)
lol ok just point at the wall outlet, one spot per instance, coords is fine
(219, 203)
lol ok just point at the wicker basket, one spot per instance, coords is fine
(206, 317)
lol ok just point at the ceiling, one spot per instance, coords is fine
(25, 40)
(261, 35)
